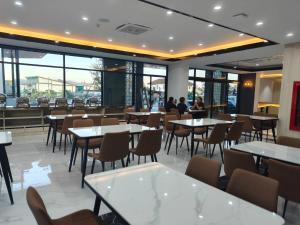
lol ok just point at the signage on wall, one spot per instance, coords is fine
(295, 112)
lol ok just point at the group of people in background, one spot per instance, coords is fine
(182, 107)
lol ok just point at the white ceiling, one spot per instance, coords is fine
(56, 16)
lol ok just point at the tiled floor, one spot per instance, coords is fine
(33, 163)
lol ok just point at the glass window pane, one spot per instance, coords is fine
(219, 96)
(191, 72)
(37, 81)
(40, 58)
(9, 55)
(233, 76)
(10, 84)
(158, 93)
(190, 92)
(232, 97)
(84, 62)
(201, 73)
(83, 84)
(153, 69)
(217, 74)
(146, 92)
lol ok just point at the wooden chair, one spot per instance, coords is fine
(257, 189)
(42, 217)
(153, 120)
(109, 121)
(130, 119)
(288, 177)
(78, 111)
(223, 116)
(168, 127)
(115, 146)
(205, 170)
(247, 127)
(235, 132)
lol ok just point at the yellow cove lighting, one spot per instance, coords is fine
(262, 105)
(160, 54)
(270, 75)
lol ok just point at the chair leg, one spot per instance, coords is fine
(114, 165)
(197, 146)
(213, 151)
(221, 151)
(145, 160)
(76, 150)
(284, 208)
(138, 160)
(103, 166)
(60, 141)
(65, 144)
(187, 143)
(167, 141)
(152, 158)
(123, 163)
(181, 142)
(128, 159)
(155, 157)
(176, 144)
(93, 166)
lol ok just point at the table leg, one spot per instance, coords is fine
(7, 164)
(97, 206)
(258, 162)
(72, 152)
(5, 169)
(192, 141)
(84, 161)
(54, 133)
(49, 132)
(273, 131)
(261, 130)
(171, 139)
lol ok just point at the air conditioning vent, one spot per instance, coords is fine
(240, 15)
(134, 29)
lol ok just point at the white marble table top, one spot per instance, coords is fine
(270, 150)
(153, 194)
(144, 113)
(253, 117)
(62, 117)
(100, 131)
(205, 122)
(5, 138)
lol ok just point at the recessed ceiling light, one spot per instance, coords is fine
(109, 40)
(84, 18)
(200, 44)
(169, 12)
(217, 7)
(266, 41)
(19, 3)
(241, 34)
(171, 38)
(13, 22)
(67, 32)
(257, 64)
(210, 25)
(171, 50)
(259, 23)
(290, 34)
(235, 67)
(134, 55)
(56, 42)
(144, 46)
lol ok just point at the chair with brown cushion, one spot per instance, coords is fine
(235, 132)
(168, 127)
(153, 120)
(115, 146)
(223, 116)
(205, 170)
(61, 103)
(183, 132)
(58, 112)
(64, 130)
(22, 102)
(42, 217)
(109, 121)
(288, 177)
(216, 136)
(130, 119)
(257, 189)
(266, 125)
(143, 119)
(247, 127)
(149, 144)
(78, 111)
(289, 141)
(96, 119)
(93, 142)
(174, 111)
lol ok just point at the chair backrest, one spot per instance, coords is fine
(223, 116)
(248, 124)
(58, 112)
(61, 102)
(234, 160)
(153, 120)
(149, 142)
(115, 146)
(217, 135)
(186, 117)
(169, 126)
(78, 111)
(37, 207)
(93, 101)
(235, 131)
(257, 189)
(174, 111)
(144, 110)
(289, 141)
(83, 123)
(22, 102)
(109, 121)
(96, 119)
(205, 170)
(43, 101)
(77, 103)
(68, 123)
(288, 177)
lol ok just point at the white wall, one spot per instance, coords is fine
(178, 80)
(291, 73)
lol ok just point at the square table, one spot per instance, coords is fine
(6, 140)
(155, 194)
(140, 115)
(192, 124)
(270, 150)
(87, 133)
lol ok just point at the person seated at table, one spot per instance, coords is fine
(198, 105)
(181, 106)
(170, 104)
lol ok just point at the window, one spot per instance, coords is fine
(158, 92)
(40, 58)
(153, 69)
(233, 76)
(191, 72)
(217, 74)
(84, 62)
(201, 73)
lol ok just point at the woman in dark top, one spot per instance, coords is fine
(199, 105)
(170, 104)
(182, 107)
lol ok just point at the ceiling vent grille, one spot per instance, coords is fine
(134, 29)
